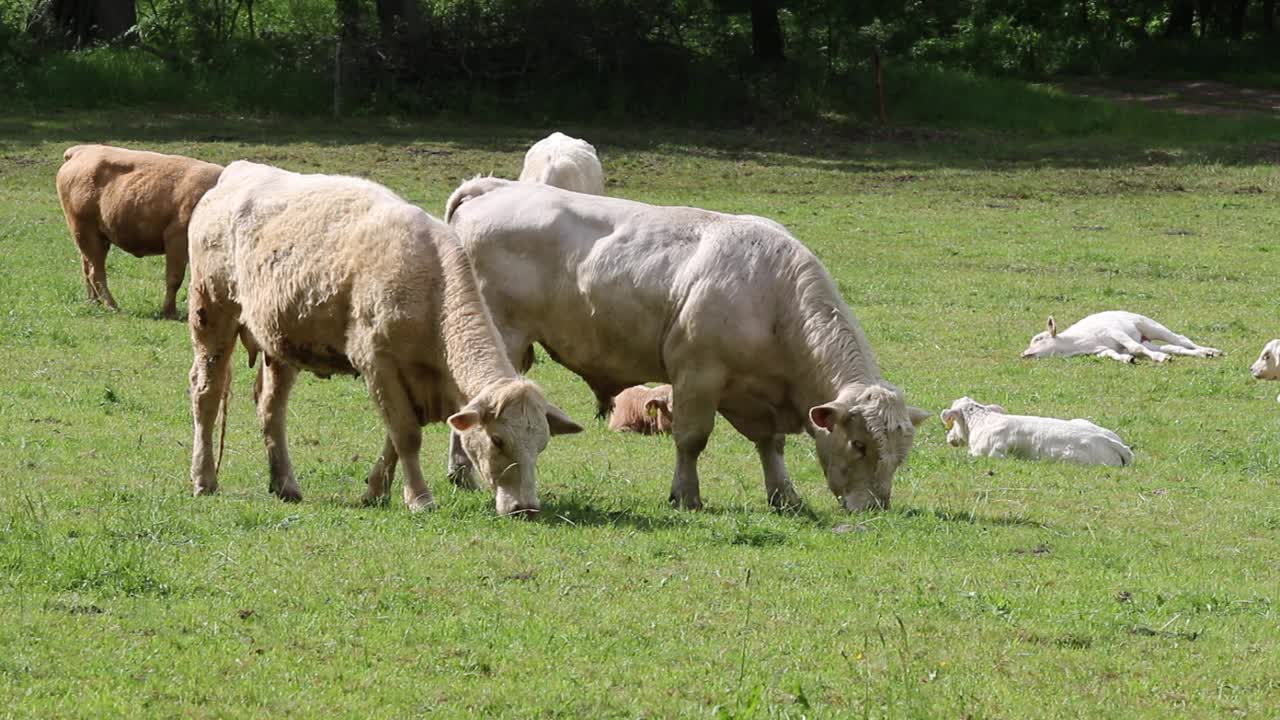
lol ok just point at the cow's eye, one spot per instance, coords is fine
(498, 443)
(860, 447)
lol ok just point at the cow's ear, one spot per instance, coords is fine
(824, 416)
(464, 419)
(1053, 327)
(948, 418)
(997, 409)
(918, 415)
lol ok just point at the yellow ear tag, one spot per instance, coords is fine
(651, 410)
(949, 422)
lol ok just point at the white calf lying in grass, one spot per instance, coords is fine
(1118, 335)
(1268, 365)
(990, 431)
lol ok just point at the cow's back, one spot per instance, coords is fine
(135, 197)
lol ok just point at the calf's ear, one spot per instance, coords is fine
(997, 409)
(1053, 327)
(948, 418)
(824, 416)
(918, 415)
(559, 423)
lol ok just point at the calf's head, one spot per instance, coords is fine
(957, 423)
(1045, 344)
(503, 430)
(1268, 365)
(861, 438)
(658, 407)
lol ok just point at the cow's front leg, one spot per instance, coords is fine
(1114, 355)
(777, 483)
(273, 405)
(691, 426)
(461, 473)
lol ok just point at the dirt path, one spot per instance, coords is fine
(1192, 97)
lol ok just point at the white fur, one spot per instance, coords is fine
(565, 162)
(338, 275)
(1267, 366)
(1115, 334)
(990, 431)
(733, 311)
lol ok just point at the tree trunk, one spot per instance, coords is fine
(766, 31)
(1182, 16)
(77, 22)
(1208, 22)
(1268, 16)
(399, 20)
(1238, 10)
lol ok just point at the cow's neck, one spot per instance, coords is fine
(834, 352)
(474, 351)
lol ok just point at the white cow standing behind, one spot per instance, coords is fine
(1115, 334)
(564, 162)
(1267, 366)
(990, 431)
(338, 275)
(734, 312)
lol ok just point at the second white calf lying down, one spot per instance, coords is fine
(1267, 366)
(990, 431)
(1116, 334)
(565, 162)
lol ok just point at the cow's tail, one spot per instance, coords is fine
(470, 190)
(251, 347)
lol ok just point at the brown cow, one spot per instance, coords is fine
(138, 201)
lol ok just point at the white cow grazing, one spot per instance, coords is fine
(339, 275)
(1267, 366)
(733, 311)
(565, 162)
(990, 431)
(1115, 334)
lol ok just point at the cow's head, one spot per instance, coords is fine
(862, 437)
(1044, 344)
(503, 430)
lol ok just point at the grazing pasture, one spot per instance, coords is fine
(991, 589)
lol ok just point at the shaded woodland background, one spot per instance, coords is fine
(714, 61)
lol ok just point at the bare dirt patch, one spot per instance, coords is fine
(1190, 97)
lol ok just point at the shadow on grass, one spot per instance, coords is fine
(586, 512)
(971, 518)
(839, 145)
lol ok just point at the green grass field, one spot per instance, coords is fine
(992, 589)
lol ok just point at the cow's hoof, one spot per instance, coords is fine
(288, 493)
(462, 477)
(421, 504)
(212, 488)
(686, 502)
(786, 501)
(368, 500)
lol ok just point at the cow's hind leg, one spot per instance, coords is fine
(1181, 350)
(175, 267)
(1137, 349)
(93, 261)
(213, 339)
(403, 427)
(382, 474)
(273, 407)
(1164, 338)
